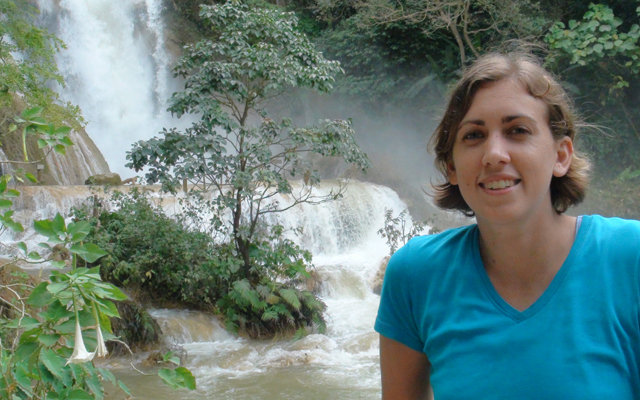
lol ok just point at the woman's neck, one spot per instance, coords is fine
(522, 258)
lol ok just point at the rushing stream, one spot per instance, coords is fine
(340, 364)
(343, 363)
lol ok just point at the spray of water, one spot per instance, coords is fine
(116, 68)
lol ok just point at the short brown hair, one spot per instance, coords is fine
(567, 190)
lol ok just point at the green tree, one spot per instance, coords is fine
(235, 148)
(473, 24)
(27, 64)
(599, 57)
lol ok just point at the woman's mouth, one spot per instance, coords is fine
(501, 184)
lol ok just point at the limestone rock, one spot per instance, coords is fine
(376, 286)
(111, 179)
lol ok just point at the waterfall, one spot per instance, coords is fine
(341, 363)
(116, 69)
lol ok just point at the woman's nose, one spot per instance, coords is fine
(495, 151)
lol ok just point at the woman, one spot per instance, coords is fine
(529, 303)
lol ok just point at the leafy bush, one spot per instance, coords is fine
(168, 261)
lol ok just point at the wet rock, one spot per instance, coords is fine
(361, 343)
(313, 342)
(130, 181)
(376, 285)
(111, 179)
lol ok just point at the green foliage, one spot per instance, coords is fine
(256, 55)
(49, 138)
(597, 37)
(398, 233)
(157, 254)
(599, 57)
(167, 259)
(42, 338)
(47, 355)
(27, 65)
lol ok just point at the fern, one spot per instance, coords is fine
(291, 297)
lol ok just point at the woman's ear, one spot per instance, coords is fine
(564, 155)
(451, 173)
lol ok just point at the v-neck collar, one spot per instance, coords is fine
(556, 283)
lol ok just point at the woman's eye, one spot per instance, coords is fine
(472, 135)
(520, 130)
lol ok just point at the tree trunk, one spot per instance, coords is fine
(465, 19)
(453, 26)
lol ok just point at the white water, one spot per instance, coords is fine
(116, 69)
(340, 364)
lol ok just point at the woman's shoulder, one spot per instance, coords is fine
(612, 236)
(606, 226)
(434, 251)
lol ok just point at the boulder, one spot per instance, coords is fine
(111, 179)
(376, 285)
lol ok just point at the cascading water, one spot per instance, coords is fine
(342, 363)
(116, 68)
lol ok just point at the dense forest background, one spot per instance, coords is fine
(399, 58)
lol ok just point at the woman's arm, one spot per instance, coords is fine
(405, 372)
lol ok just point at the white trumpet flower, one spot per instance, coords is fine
(80, 354)
(101, 348)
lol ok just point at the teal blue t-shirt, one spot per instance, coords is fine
(579, 340)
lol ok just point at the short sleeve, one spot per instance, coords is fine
(395, 318)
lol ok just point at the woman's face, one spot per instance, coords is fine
(505, 155)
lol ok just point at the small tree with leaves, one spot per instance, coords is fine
(398, 230)
(235, 149)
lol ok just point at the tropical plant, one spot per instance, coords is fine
(44, 328)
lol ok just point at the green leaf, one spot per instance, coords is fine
(94, 384)
(58, 224)
(45, 228)
(56, 287)
(24, 351)
(63, 130)
(187, 377)
(5, 203)
(67, 141)
(40, 296)
(124, 387)
(170, 377)
(89, 251)
(60, 149)
(56, 312)
(48, 340)
(107, 375)
(22, 246)
(290, 297)
(53, 361)
(23, 379)
(31, 177)
(32, 112)
(79, 394)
